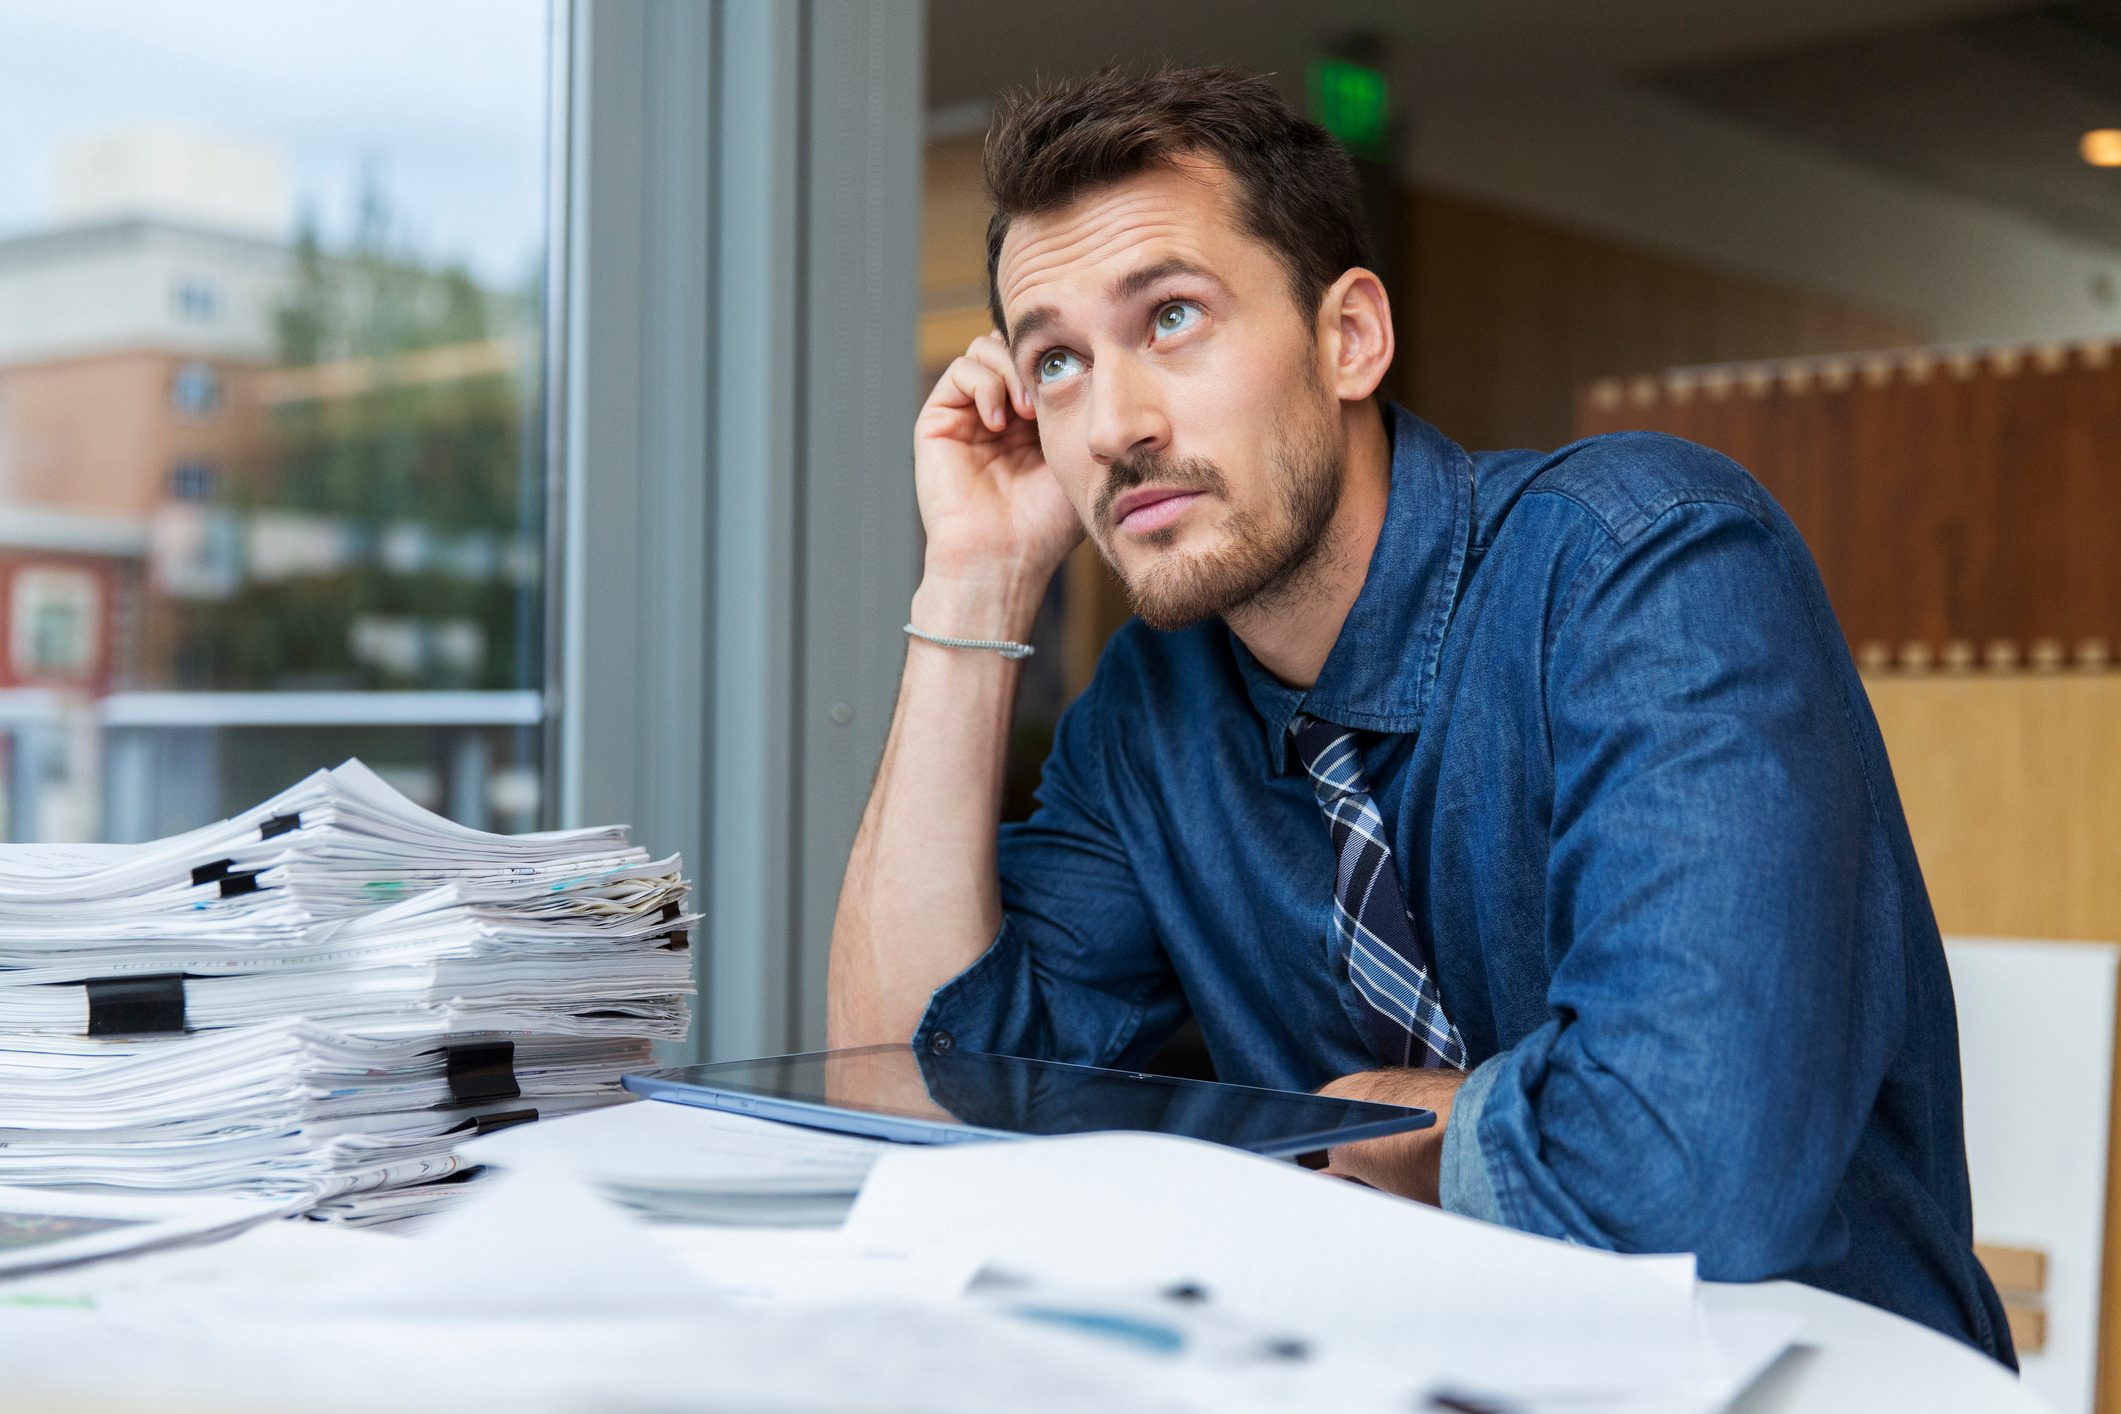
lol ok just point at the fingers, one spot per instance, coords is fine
(983, 379)
(990, 350)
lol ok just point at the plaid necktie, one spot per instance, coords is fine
(1386, 964)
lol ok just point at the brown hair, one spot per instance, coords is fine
(1295, 188)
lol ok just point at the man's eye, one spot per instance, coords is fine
(1176, 317)
(1057, 364)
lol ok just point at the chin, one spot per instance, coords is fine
(1179, 590)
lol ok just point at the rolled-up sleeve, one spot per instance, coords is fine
(1076, 972)
(1713, 1043)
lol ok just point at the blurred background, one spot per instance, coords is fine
(517, 396)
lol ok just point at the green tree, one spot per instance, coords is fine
(416, 465)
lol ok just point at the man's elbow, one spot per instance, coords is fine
(1740, 1224)
(857, 1009)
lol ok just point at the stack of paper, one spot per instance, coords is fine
(322, 996)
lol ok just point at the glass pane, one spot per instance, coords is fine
(271, 477)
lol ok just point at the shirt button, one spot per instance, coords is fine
(941, 1041)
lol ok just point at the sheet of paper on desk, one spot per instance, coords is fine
(676, 1161)
(549, 1300)
(1471, 1305)
(538, 1295)
(541, 1296)
(42, 1228)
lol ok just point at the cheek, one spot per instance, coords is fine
(1065, 458)
(1230, 407)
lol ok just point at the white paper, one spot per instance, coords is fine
(656, 1143)
(532, 1245)
(686, 1164)
(41, 1229)
(1465, 1303)
(772, 1264)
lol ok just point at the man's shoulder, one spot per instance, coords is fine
(1620, 481)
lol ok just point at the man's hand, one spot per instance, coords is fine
(1410, 1165)
(992, 510)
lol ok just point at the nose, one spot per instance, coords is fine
(1126, 412)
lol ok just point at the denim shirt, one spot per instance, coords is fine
(1645, 826)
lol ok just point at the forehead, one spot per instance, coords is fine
(1185, 211)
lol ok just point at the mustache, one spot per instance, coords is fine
(1141, 469)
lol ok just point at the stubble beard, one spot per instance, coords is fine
(1264, 568)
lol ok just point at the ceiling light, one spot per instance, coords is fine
(2101, 147)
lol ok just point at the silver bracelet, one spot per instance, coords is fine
(1006, 647)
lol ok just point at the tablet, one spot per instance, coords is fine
(931, 1097)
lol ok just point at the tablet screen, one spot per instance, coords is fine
(1010, 1095)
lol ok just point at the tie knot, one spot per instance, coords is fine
(1331, 754)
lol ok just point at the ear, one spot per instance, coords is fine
(1355, 328)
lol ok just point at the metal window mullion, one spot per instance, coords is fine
(862, 179)
(757, 438)
(742, 187)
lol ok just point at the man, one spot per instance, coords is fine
(1534, 788)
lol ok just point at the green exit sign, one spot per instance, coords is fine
(1352, 102)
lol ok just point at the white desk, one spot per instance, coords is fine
(1857, 1357)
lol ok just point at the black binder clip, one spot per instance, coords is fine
(234, 882)
(482, 1071)
(136, 1006)
(487, 1124)
(279, 825)
(506, 1119)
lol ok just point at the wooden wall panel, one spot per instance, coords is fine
(1963, 506)
(2012, 785)
(1504, 316)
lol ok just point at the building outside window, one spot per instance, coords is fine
(193, 480)
(196, 390)
(270, 341)
(55, 617)
(197, 300)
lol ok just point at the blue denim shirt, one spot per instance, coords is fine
(1646, 828)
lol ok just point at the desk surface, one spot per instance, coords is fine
(1853, 1356)
(1849, 1357)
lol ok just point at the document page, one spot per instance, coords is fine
(1472, 1306)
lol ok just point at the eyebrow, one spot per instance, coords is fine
(1126, 287)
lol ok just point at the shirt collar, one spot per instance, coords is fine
(1381, 671)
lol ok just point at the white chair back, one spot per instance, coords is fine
(2036, 1048)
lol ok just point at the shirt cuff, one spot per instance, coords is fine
(965, 1012)
(1465, 1186)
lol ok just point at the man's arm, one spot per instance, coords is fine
(1712, 1052)
(1720, 1016)
(921, 898)
(1410, 1165)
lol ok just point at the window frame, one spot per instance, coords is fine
(733, 558)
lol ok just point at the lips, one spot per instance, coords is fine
(1151, 508)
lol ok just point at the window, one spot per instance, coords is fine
(55, 624)
(283, 337)
(195, 391)
(197, 300)
(193, 480)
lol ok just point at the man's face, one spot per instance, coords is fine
(1180, 403)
